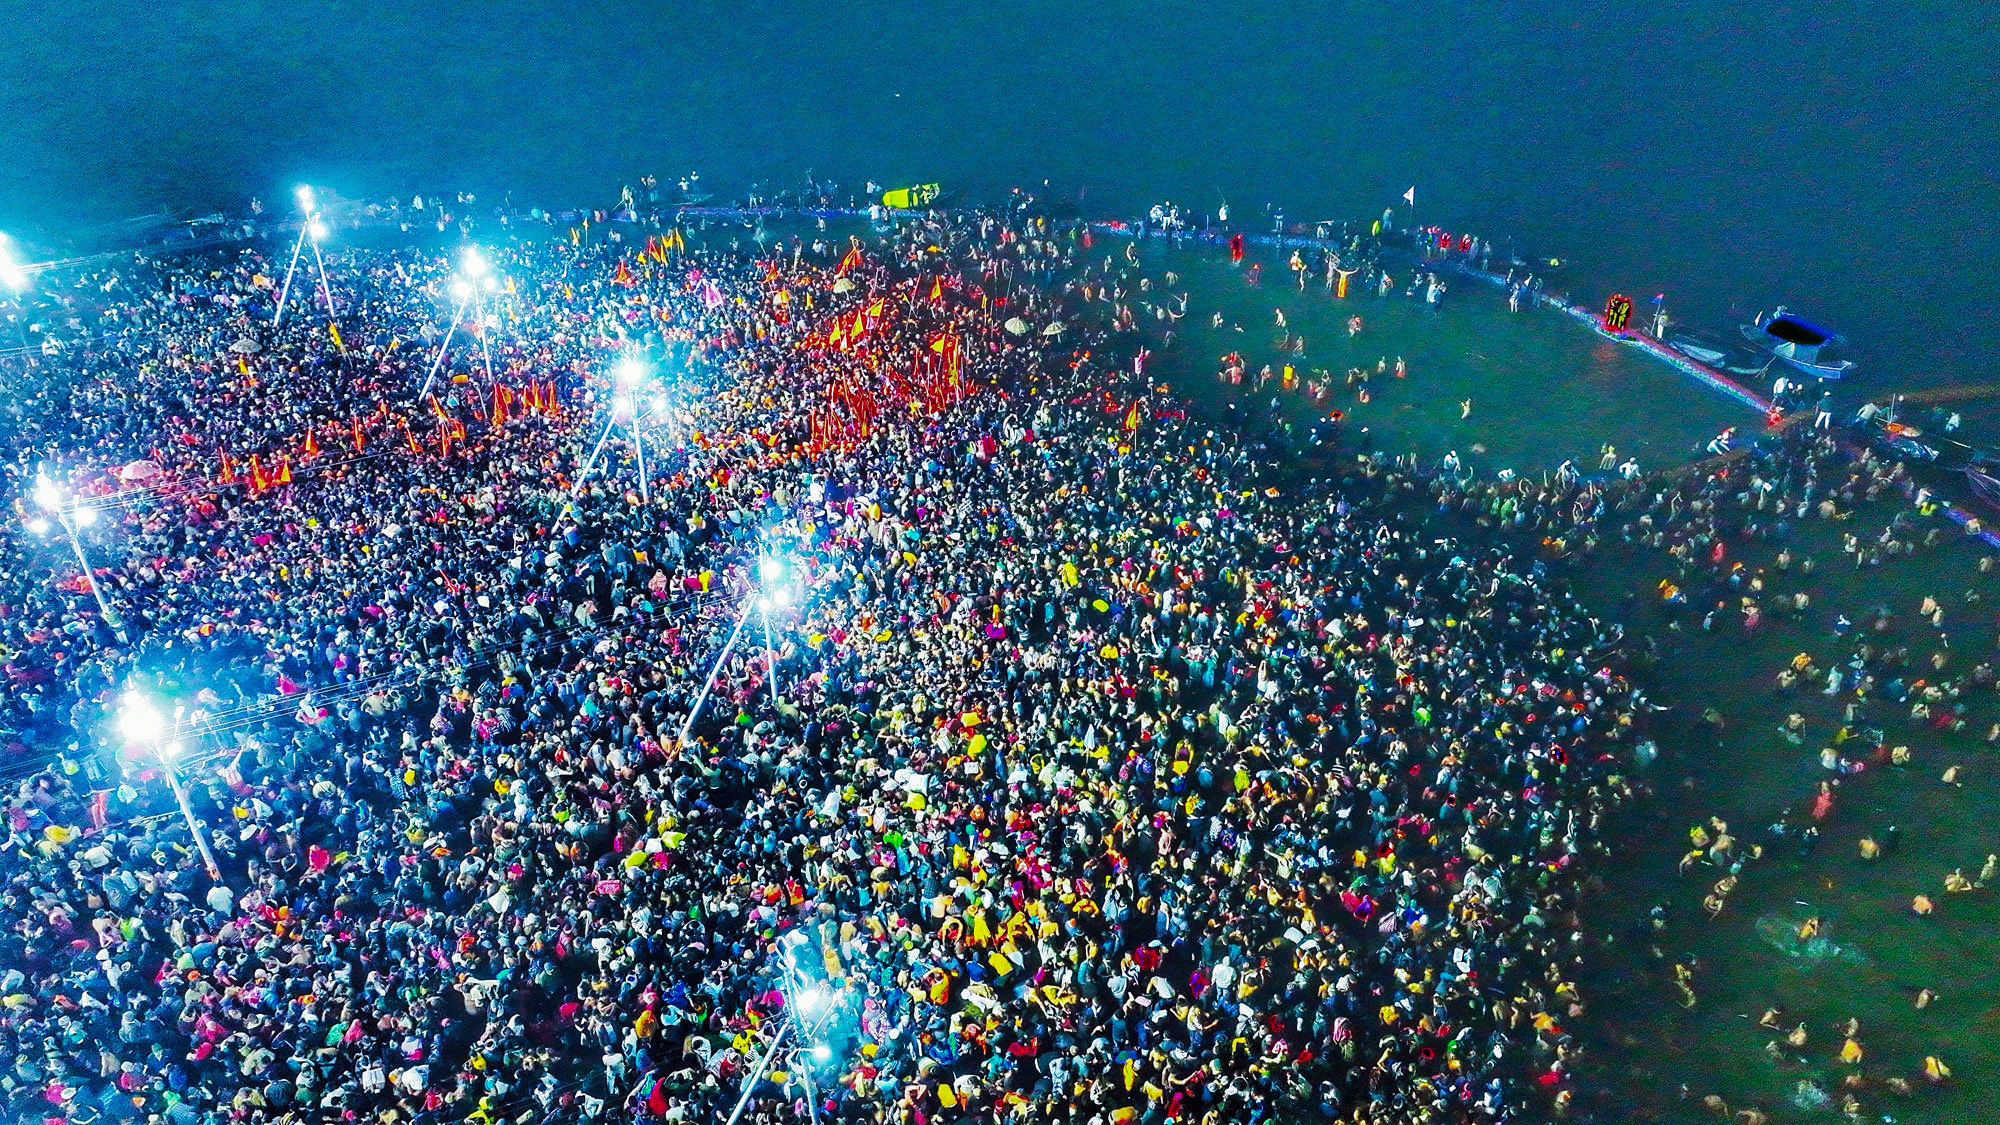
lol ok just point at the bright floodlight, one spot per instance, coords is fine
(38, 525)
(84, 517)
(172, 751)
(813, 1000)
(472, 262)
(305, 193)
(629, 372)
(13, 274)
(771, 569)
(138, 719)
(461, 289)
(48, 494)
(317, 229)
(821, 1052)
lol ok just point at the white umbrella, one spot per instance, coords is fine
(1053, 329)
(843, 285)
(1017, 326)
(139, 470)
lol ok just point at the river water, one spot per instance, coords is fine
(1830, 157)
(1732, 156)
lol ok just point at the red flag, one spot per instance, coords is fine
(257, 481)
(358, 442)
(284, 471)
(226, 470)
(311, 448)
(1132, 417)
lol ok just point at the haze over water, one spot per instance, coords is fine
(1832, 156)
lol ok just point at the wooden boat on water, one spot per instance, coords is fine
(1796, 342)
(1984, 485)
(1701, 351)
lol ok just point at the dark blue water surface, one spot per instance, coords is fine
(1833, 155)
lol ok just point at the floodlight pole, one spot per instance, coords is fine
(59, 504)
(324, 289)
(583, 474)
(485, 348)
(715, 670)
(187, 814)
(757, 1072)
(639, 447)
(285, 291)
(771, 653)
(443, 345)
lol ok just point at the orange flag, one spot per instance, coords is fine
(358, 442)
(1132, 417)
(284, 471)
(226, 470)
(499, 405)
(257, 481)
(311, 447)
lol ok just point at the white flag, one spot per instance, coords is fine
(1410, 196)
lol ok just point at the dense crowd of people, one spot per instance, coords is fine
(1087, 775)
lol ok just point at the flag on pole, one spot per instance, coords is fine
(1410, 196)
(334, 332)
(1659, 298)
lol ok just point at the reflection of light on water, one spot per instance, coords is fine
(1605, 358)
(1783, 934)
(1810, 1095)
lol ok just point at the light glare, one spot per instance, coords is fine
(138, 719)
(13, 274)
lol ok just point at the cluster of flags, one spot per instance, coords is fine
(934, 379)
(261, 472)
